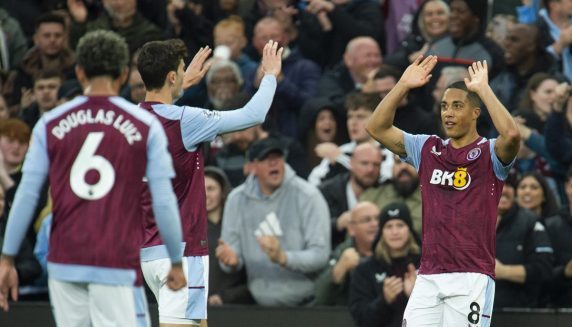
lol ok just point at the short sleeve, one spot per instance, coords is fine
(501, 171)
(413, 146)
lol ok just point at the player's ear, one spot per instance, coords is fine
(476, 113)
(123, 76)
(80, 74)
(171, 77)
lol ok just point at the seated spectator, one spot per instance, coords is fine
(50, 52)
(558, 127)
(224, 288)
(328, 27)
(430, 25)
(524, 57)
(332, 287)
(534, 194)
(275, 225)
(402, 187)
(121, 17)
(524, 255)
(336, 159)
(297, 82)
(362, 56)
(45, 94)
(230, 32)
(380, 287)
(555, 28)
(343, 191)
(319, 123)
(559, 228)
(224, 81)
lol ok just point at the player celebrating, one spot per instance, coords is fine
(461, 179)
(162, 70)
(96, 150)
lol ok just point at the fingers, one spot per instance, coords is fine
(14, 293)
(418, 60)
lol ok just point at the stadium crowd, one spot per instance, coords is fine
(306, 208)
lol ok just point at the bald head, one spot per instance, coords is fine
(362, 55)
(365, 165)
(269, 28)
(362, 210)
(521, 44)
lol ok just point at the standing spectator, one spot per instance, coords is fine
(121, 17)
(431, 23)
(224, 288)
(45, 94)
(343, 191)
(224, 81)
(328, 27)
(188, 22)
(50, 52)
(559, 229)
(556, 32)
(381, 286)
(13, 44)
(276, 225)
(534, 194)
(558, 127)
(362, 56)
(402, 187)
(524, 255)
(297, 82)
(332, 287)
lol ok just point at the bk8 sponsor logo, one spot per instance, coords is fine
(459, 179)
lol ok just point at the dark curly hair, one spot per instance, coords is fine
(102, 53)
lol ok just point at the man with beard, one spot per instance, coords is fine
(403, 187)
(343, 191)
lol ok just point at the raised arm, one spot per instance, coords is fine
(508, 143)
(380, 124)
(197, 68)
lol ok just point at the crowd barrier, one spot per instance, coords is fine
(34, 314)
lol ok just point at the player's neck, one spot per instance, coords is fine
(465, 140)
(101, 86)
(163, 95)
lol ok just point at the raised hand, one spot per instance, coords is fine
(561, 94)
(271, 58)
(77, 10)
(419, 72)
(176, 277)
(197, 68)
(8, 282)
(478, 78)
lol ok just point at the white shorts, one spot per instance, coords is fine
(187, 305)
(85, 304)
(451, 299)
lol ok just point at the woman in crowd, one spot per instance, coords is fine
(538, 99)
(533, 193)
(381, 286)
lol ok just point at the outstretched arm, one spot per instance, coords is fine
(508, 143)
(380, 124)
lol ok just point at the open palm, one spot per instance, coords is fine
(478, 76)
(272, 58)
(419, 72)
(197, 68)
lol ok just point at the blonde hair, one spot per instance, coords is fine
(233, 23)
(382, 250)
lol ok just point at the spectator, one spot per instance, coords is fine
(524, 255)
(276, 225)
(121, 17)
(297, 82)
(319, 123)
(558, 127)
(329, 26)
(12, 42)
(343, 191)
(336, 159)
(224, 81)
(50, 52)
(534, 194)
(230, 32)
(224, 288)
(402, 187)
(332, 287)
(537, 101)
(381, 286)
(556, 32)
(559, 228)
(362, 56)
(524, 56)
(398, 18)
(188, 22)
(219, 10)
(431, 23)
(136, 86)
(498, 27)
(45, 94)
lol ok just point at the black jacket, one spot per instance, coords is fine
(367, 304)
(559, 229)
(334, 191)
(522, 240)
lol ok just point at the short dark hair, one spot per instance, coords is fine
(472, 97)
(47, 74)
(50, 17)
(157, 59)
(102, 53)
(356, 100)
(387, 71)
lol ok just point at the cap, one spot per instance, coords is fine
(395, 210)
(260, 149)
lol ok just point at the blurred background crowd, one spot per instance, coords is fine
(347, 211)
